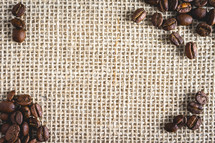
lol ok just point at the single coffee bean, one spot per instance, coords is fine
(139, 15)
(18, 141)
(180, 120)
(19, 35)
(172, 4)
(152, 2)
(184, 19)
(25, 111)
(16, 118)
(171, 127)
(194, 108)
(212, 2)
(36, 110)
(4, 116)
(12, 133)
(191, 50)
(194, 122)
(184, 8)
(2, 140)
(10, 95)
(24, 99)
(203, 29)
(18, 23)
(199, 13)
(33, 122)
(4, 128)
(25, 139)
(176, 39)
(163, 5)
(33, 141)
(170, 24)
(201, 98)
(18, 10)
(211, 17)
(157, 20)
(7, 106)
(43, 134)
(200, 3)
(25, 129)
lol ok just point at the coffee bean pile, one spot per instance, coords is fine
(21, 120)
(19, 30)
(193, 122)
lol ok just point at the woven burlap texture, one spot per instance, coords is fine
(102, 78)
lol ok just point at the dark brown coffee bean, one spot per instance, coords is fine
(2, 140)
(180, 120)
(163, 5)
(16, 118)
(211, 17)
(12, 133)
(33, 122)
(176, 39)
(194, 108)
(194, 122)
(184, 19)
(184, 8)
(199, 13)
(212, 2)
(170, 24)
(200, 3)
(18, 23)
(36, 110)
(43, 134)
(7, 106)
(4, 116)
(33, 141)
(201, 98)
(152, 2)
(10, 95)
(157, 19)
(18, 35)
(25, 139)
(172, 4)
(4, 128)
(203, 29)
(25, 129)
(139, 15)
(18, 10)
(18, 141)
(24, 99)
(191, 50)
(25, 111)
(171, 127)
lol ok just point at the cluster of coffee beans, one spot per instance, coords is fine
(193, 122)
(19, 30)
(20, 120)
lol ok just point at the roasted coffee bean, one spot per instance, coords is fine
(139, 15)
(203, 29)
(171, 127)
(184, 19)
(7, 106)
(191, 50)
(2, 140)
(199, 13)
(36, 110)
(18, 141)
(212, 2)
(152, 2)
(184, 8)
(18, 35)
(12, 133)
(18, 23)
(25, 139)
(18, 10)
(172, 5)
(194, 108)
(163, 5)
(16, 118)
(201, 98)
(180, 120)
(33, 122)
(194, 122)
(43, 134)
(200, 3)
(4, 116)
(4, 128)
(170, 24)
(10, 95)
(24, 99)
(25, 111)
(176, 39)
(157, 19)
(25, 129)
(33, 141)
(211, 17)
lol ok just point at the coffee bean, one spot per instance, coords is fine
(25, 111)
(176, 39)
(199, 13)
(172, 4)
(19, 35)
(157, 19)
(152, 2)
(4, 116)
(18, 141)
(25, 129)
(194, 108)
(139, 15)
(200, 3)
(33, 122)
(203, 29)
(194, 122)
(2, 140)
(7, 106)
(24, 99)
(26, 139)
(191, 50)
(43, 134)
(211, 17)
(16, 118)
(201, 98)
(184, 8)
(180, 120)
(4, 128)
(36, 110)
(12, 133)
(171, 127)
(184, 19)
(18, 10)
(33, 141)
(212, 2)
(10, 95)
(170, 24)
(163, 5)
(18, 23)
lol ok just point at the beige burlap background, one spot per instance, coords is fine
(102, 78)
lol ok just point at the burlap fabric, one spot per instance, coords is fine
(102, 78)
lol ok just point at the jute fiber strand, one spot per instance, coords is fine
(102, 78)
